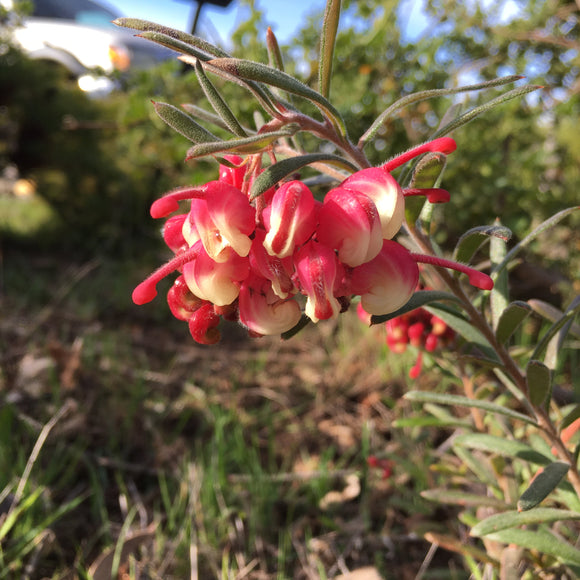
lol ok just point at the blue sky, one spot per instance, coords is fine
(217, 23)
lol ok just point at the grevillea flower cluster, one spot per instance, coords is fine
(269, 261)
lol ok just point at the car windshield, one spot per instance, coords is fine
(80, 11)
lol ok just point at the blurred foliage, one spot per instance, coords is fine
(99, 163)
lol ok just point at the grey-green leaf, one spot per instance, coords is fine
(198, 112)
(424, 95)
(543, 485)
(465, 329)
(513, 519)
(462, 498)
(539, 381)
(563, 321)
(459, 401)
(419, 299)
(501, 446)
(540, 540)
(176, 44)
(246, 145)
(477, 111)
(273, 174)
(218, 103)
(183, 123)
(262, 73)
(147, 26)
(471, 241)
(511, 318)
(551, 313)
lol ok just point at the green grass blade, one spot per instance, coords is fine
(21, 508)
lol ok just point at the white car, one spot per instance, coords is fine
(78, 35)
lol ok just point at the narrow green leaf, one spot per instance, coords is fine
(540, 540)
(267, 100)
(568, 316)
(274, 52)
(499, 295)
(418, 300)
(17, 512)
(459, 401)
(177, 45)
(532, 236)
(146, 26)
(217, 102)
(183, 123)
(424, 95)
(501, 446)
(465, 329)
(539, 381)
(246, 145)
(472, 240)
(552, 314)
(513, 519)
(195, 111)
(510, 319)
(462, 498)
(481, 468)
(543, 485)
(327, 40)
(427, 173)
(273, 174)
(572, 416)
(556, 344)
(477, 111)
(262, 73)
